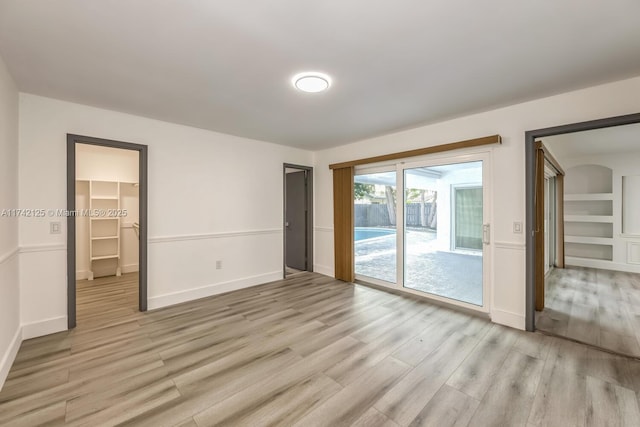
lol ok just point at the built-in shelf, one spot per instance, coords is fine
(97, 258)
(589, 218)
(589, 215)
(589, 240)
(105, 238)
(104, 197)
(588, 196)
(587, 262)
(104, 232)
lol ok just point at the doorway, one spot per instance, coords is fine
(593, 297)
(298, 219)
(106, 226)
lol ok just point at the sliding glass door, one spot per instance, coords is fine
(375, 221)
(438, 245)
(443, 251)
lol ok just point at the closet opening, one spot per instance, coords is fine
(106, 198)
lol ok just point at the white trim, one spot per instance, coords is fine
(206, 236)
(213, 289)
(44, 327)
(323, 229)
(9, 255)
(602, 264)
(10, 355)
(130, 268)
(323, 269)
(510, 245)
(630, 247)
(508, 318)
(46, 247)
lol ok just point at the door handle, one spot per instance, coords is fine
(486, 233)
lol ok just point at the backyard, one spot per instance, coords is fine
(449, 274)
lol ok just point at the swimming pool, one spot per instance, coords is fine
(363, 233)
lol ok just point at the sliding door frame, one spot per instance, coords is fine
(442, 158)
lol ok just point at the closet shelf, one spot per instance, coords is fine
(589, 240)
(104, 231)
(589, 218)
(588, 196)
(96, 258)
(583, 261)
(104, 197)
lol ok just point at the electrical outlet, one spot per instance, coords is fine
(218, 265)
(517, 227)
(55, 227)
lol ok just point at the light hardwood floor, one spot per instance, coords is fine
(598, 307)
(310, 351)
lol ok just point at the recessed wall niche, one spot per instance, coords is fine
(589, 218)
(631, 205)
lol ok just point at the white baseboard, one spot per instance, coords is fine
(44, 327)
(9, 356)
(323, 269)
(508, 318)
(214, 289)
(130, 268)
(604, 265)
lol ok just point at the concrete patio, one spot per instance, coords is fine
(449, 274)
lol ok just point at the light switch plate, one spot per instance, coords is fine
(517, 227)
(55, 227)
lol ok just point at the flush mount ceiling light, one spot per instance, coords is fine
(311, 82)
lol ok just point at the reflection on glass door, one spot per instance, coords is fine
(375, 225)
(468, 218)
(444, 231)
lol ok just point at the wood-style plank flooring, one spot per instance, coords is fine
(310, 351)
(598, 307)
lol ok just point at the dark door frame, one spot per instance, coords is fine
(530, 162)
(72, 140)
(309, 228)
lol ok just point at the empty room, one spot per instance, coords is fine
(358, 213)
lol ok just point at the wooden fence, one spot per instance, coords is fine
(377, 215)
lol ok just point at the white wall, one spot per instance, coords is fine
(211, 197)
(94, 162)
(508, 177)
(107, 164)
(10, 335)
(129, 201)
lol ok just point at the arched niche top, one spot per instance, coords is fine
(588, 179)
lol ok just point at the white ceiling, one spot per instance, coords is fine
(612, 140)
(226, 65)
